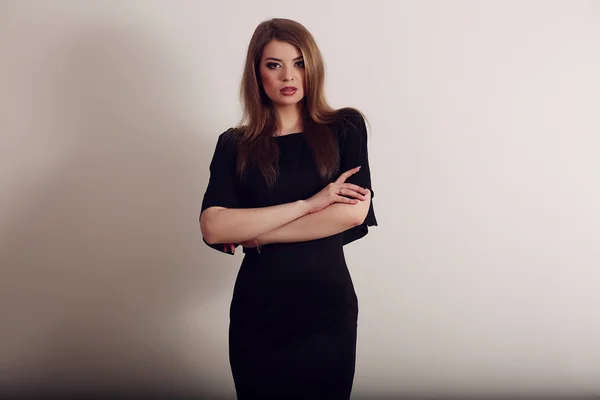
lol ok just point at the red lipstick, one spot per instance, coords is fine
(289, 90)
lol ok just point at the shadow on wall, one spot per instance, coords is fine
(104, 254)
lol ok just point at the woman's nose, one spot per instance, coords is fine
(287, 74)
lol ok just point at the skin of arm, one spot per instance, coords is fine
(240, 225)
(237, 225)
(330, 221)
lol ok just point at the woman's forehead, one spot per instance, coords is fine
(281, 50)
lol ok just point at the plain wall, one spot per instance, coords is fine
(483, 276)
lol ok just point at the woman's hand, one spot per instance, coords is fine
(336, 191)
(229, 248)
(252, 243)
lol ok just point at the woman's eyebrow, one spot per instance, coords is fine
(277, 59)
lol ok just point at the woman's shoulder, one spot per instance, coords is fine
(229, 138)
(231, 133)
(348, 113)
(227, 143)
(349, 120)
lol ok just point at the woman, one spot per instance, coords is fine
(292, 186)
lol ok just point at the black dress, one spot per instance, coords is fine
(293, 316)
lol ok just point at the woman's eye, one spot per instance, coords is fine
(300, 64)
(272, 65)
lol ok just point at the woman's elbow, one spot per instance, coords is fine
(360, 212)
(358, 219)
(206, 227)
(208, 238)
(206, 233)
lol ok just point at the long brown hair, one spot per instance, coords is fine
(256, 145)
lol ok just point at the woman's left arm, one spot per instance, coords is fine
(330, 221)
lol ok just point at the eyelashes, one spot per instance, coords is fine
(272, 65)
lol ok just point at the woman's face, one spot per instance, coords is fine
(282, 73)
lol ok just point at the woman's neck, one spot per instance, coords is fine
(290, 119)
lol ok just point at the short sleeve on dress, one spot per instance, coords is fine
(352, 140)
(222, 190)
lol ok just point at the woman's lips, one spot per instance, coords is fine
(288, 90)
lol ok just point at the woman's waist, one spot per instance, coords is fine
(294, 266)
(329, 245)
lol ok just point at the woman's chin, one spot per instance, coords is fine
(288, 101)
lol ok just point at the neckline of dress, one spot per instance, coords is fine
(288, 134)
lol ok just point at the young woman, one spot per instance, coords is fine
(291, 185)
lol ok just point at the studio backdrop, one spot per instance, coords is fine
(484, 136)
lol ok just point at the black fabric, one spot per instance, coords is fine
(293, 316)
(222, 190)
(352, 138)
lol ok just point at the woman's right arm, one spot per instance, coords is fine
(237, 225)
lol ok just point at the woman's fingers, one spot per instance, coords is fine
(347, 193)
(229, 248)
(342, 178)
(346, 200)
(353, 191)
(355, 188)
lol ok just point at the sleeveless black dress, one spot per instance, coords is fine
(293, 316)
